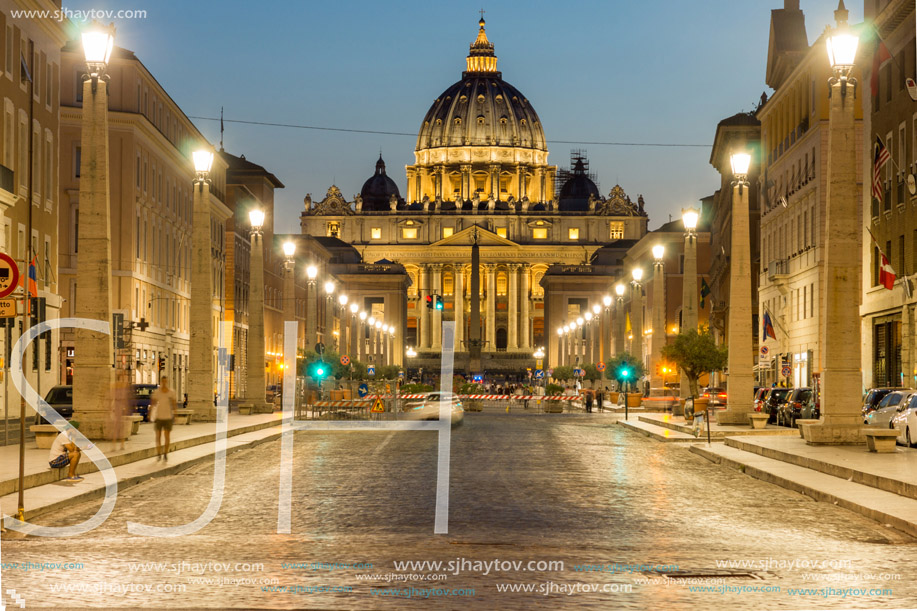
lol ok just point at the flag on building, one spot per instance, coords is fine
(880, 158)
(887, 275)
(768, 327)
(704, 292)
(880, 56)
(32, 286)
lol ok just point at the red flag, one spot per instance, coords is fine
(880, 56)
(31, 278)
(887, 275)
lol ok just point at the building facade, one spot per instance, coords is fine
(151, 141)
(481, 173)
(792, 195)
(889, 356)
(30, 194)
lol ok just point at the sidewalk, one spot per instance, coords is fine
(138, 447)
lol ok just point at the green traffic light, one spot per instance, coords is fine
(624, 373)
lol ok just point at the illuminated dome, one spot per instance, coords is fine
(481, 109)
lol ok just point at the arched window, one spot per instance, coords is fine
(448, 283)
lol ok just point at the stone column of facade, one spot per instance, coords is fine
(256, 376)
(512, 305)
(636, 321)
(458, 306)
(495, 180)
(620, 327)
(562, 349)
(354, 326)
(421, 309)
(436, 329)
(840, 334)
(491, 319)
(657, 339)
(311, 315)
(606, 334)
(741, 382)
(466, 188)
(328, 336)
(689, 297)
(93, 377)
(588, 342)
(525, 329)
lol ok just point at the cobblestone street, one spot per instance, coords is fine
(618, 510)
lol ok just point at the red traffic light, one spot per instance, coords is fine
(429, 302)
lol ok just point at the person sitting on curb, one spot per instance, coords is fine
(64, 452)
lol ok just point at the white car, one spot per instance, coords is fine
(905, 421)
(428, 408)
(888, 408)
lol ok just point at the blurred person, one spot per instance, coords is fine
(163, 404)
(588, 401)
(64, 452)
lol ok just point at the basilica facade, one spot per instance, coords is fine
(481, 169)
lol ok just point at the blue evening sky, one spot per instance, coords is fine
(650, 71)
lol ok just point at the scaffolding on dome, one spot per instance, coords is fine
(577, 156)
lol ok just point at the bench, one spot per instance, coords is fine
(183, 416)
(135, 421)
(881, 440)
(44, 435)
(758, 420)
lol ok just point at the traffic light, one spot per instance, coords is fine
(429, 302)
(438, 302)
(623, 372)
(162, 363)
(318, 370)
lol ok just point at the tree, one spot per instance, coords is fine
(624, 368)
(592, 374)
(695, 353)
(563, 372)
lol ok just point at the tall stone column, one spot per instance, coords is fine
(689, 297)
(620, 326)
(491, 307)
(840, 333)
(458, 305)
(588, 343)
(741, 382)
(636, 320)
(512, 307)
(606, 334)
(466, 193)
(93, 375)
(657, 339)
(354, 326)
(328, 335)
(437, 315)
(422, 311)
(562, 349)
(255, 375)
(525, 337)
(311, 315)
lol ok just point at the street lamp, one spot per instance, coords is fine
(311, 273)
(740, 361)
(289, 249)
(311, 306)
(93, 379)
(255, 374)
(636, 312)
(328, 335)
(840, 326)
(289, 286)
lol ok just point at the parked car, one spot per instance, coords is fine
(905, 421)
(812, 408)
(871, 400)
(760, 395)
(716, 396)
(888, 408)
(775, 396)
(61, 399)
(791, 409)
(141, 401)
(428, 408)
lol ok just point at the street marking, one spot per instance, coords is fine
(383, 444)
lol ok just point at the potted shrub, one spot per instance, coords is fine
(695, 352)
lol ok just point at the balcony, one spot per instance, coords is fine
(778, 270)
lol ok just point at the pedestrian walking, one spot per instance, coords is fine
(588, 401)
(163, 403)
(600, 399)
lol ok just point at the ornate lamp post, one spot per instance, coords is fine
(620, 330)
(200, 366)
(559, 360)
(93, 375)
(577, 341)
(605, 343)
(391, 344)
(840, 330)
(361, 340)
(657, 339)
(377, 340)
(354, 308)
(689, 217)
(636, 312)
(740, 384)
(289, 285)
(327, 336)
(257, 384)
(311, 308)
(342, 326)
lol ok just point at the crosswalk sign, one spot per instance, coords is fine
(378, 406)
(371, 370)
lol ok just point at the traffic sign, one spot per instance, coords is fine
(400, 374)
(362, 390)
(539, 374)
(7, 308)
(600, 366)
(9, 275)
(345, 360)
(786, 371)
(579, 372)
(539, 364)
(764, 350)
(378, 406)
(371, 370)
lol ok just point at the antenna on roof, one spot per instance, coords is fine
(221, 129)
